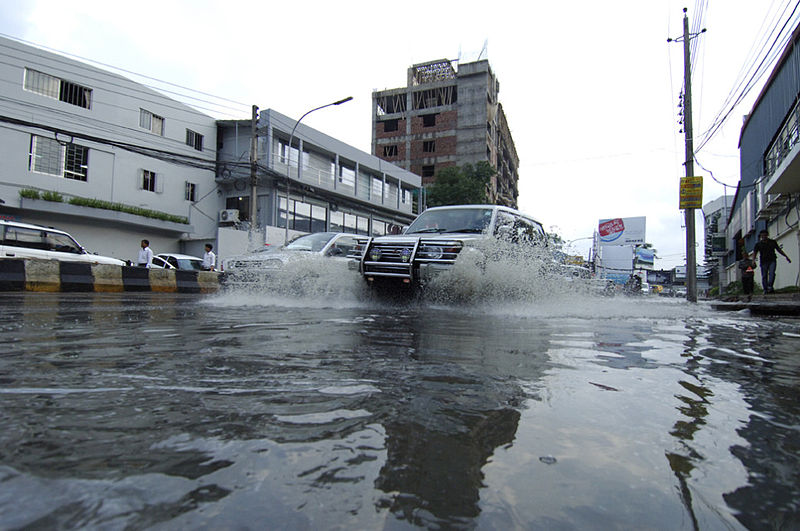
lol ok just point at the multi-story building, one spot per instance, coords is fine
(335, 187)
(113, 162)
(769, 150)
(715, 214)
(447, 117)
(103, 157)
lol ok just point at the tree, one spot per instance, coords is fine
(463, 185)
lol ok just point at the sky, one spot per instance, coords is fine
(590, 89)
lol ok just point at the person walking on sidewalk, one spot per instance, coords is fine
(209, 259)
(145, 255)
(765, 249)
(747, 266)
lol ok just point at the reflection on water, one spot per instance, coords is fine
(254, 411)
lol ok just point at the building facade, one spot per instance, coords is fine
(715, 215)
(447, 117)
(113, 162)
(334, 186)
(103, 157)
(769, 149)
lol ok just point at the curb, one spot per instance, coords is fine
(18, 274)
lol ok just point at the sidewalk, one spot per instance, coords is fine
(772, 304)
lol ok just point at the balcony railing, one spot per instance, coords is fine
(326, 180)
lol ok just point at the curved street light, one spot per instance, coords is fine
(299, 157)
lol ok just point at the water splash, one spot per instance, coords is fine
(493, 277)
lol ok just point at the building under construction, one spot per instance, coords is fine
(447, 117)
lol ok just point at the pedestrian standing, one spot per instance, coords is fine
(209, 259)
(747, 266)
(145, 255)
(765, 248)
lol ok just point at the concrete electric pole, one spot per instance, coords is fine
(691, 251)
(253, 178)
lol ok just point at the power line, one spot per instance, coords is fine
(120, 69)
(778, 44)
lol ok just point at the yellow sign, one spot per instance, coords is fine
(691, 193)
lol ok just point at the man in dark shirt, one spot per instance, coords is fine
(765, 249)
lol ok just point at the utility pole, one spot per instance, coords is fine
(253, 177)
(691, 257)
(691, 252)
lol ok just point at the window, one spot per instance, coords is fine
(429, 146)
(57, 88)
(50, 157)
(428, 120)
(191, 192)
(76, 162)
(390, 125)
(194, 140)
(377, 189)
(149, 181)
(427, 171)
(151, 122)
(242, 204)
(390, 151)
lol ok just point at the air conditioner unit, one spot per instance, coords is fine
(229, 215)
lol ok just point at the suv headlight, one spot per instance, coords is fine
(432, 252)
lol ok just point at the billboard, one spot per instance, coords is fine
(616, 262)
(645, 256)
(621, 231)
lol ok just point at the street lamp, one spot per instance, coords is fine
(299, 157)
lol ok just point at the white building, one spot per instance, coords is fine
(335, 186)
(110, 160)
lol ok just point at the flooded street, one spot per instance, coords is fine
(246, 410)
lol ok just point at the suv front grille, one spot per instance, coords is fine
(397, 259)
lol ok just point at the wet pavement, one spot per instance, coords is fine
(249, 410)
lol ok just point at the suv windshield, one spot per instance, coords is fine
(310, 242)
(452, 220)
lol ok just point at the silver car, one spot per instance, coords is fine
(318, 244)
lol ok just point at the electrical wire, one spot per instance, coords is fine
(244, 107)
(777, 46)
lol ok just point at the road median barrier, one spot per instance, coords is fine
(18, 274)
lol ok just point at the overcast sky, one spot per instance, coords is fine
(590, 89)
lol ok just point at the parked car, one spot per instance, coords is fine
(24, 240)
(436, 239)
(178, 261)
(316, 245)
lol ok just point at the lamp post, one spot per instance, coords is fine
(299, 157)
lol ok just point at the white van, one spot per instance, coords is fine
(22, 240)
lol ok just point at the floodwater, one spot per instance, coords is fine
(254, 409)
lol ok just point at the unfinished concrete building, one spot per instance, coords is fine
(447, 117)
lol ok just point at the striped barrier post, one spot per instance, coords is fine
(17, 274)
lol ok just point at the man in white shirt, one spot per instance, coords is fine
(145, 255)
(209, 259)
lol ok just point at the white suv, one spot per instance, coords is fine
(22, 240)
(434, 241)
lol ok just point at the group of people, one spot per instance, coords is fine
(768, 249)
(145, 258)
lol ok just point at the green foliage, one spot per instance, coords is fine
(27, 193)
(119, 207)
(105, 205)
(53, 196)
(460, 185)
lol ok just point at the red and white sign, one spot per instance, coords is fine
(621, 231)
(611, 227)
